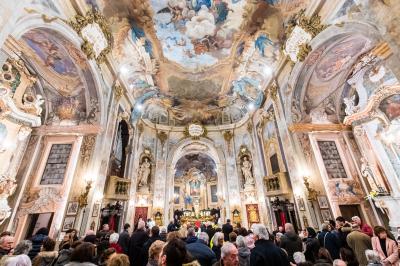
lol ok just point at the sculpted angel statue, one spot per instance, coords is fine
(144, 173)
(246, 170)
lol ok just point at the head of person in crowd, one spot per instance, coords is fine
(90, 237)
(323, 254)
(241, 242)
(118, 260)
(281, 229)
(48, 244)
(339, 262)
(7, 242)
(278, 237)
(229, 254)
(173, 235)
(325, 227)
(372, 257)
(348, 256)
(299, 257)
(174, 253)
(260, 232)
(114, 238)
(23, 247)
(107, 255)
(191, 232)
(332, 225)
(204, 238)
(106, 227)
(242, 231)
(83, 253)
(141, 225)
(232, 237)
(228, 221)
(356, 220)
(127, 226)
(340, 221)
(155, 231)
(155, 251)
(43, 231)
(355, 227)
(289, 228)
(218, 239)
(380, 232)
(311, 232)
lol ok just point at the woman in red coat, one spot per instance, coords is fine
(114, 243)
(386, 247)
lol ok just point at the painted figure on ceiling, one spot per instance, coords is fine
(197, 4)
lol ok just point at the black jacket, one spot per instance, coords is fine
(136, 248)
(217, 251)
(37, 241)
(331, 242)
(202, 253)
(265, 253)
(123, 241)
(227, 229)
(147, 245)
(312, 248)
(292, 243)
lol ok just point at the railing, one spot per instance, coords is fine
(118, 188)
(277, 184)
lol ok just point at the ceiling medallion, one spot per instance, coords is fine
(195, 130)
(95, 31)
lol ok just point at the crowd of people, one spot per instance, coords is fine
(338, 243)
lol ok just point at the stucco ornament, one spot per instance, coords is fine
(351, 107)
(7, 188)
(319, 116)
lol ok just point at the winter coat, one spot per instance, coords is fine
(191, 239)
(37, 241)
(266, 253)
(312, 248)
(202, 253)
(217, 251)
(331, 242)
(123, 241)
(244, 256)
(137, 254)
(391, 249)
(359, 242)
(75, 263)
(227, 229)
(117, 247)
(64, 257)
(147, 245)
(45, 258)
(292, 243)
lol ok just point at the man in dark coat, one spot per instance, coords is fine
(37, 241)
(123, 239)
(210, 231)
(291, 242)
(136, 245)
(227, 229)
(265, 252)
(155, 235)
(329, 241)
(201, 252)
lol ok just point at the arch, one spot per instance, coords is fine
(321, 44)
(34, 22)
(187, 146)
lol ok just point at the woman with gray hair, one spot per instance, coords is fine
(20, 255)
(217, 244)
(243, 251)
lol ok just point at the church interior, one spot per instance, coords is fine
(257, 111)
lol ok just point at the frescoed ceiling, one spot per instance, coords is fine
(197, 60)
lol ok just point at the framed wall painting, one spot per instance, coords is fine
(323, 202)
(326, 215)
(96, 210)
(68, 223)
(302, 206)
(72, 208)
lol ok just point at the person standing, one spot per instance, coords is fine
(329, 240)
(6, 244)
(37, 241)
(229, 255)
(386, 247)
(227, 229)
(291, 242)
(123, 240)
(200, 250)
(312, 245)
(137, 254)
(365, 228)
(154, 236)
(359, 242)
(243, 251)
(265, 253)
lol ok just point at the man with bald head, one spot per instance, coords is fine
(229, 255)
(6, 244)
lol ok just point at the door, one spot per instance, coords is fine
(140, 212)
(349, 211)
(37, 221)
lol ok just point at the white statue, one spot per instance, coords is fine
(367, 174)
(144, 173)
(351, 108)
(246, 170)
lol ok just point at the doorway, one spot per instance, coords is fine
(37, 221)
(349, 211)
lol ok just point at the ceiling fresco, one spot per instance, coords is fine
(203, 60)
(65, 77)
(199, 161)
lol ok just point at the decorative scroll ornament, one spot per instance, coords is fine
(300, 31)
(118, 91)
(87, 147)
(44, 200)
(195, 130)
(96, 34)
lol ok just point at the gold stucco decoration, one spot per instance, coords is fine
(311, 24)
(304, 50)
(79, 22)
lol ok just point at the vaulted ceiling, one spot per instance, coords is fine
(198, 60)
